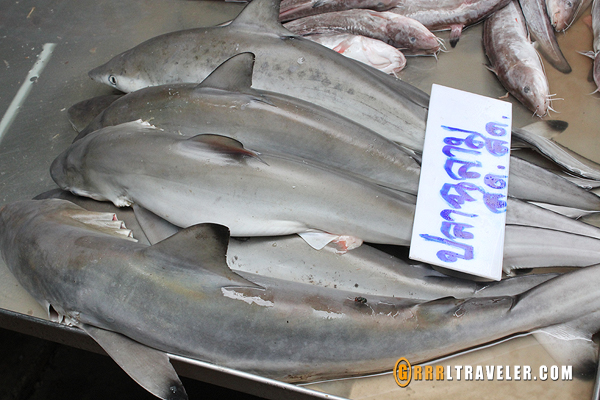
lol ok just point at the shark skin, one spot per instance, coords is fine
(293, 332)
(285, 63)
(211, 178)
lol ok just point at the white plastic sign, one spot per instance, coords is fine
(461, 205)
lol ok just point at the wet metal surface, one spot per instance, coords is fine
(34, 129)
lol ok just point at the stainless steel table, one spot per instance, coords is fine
(85, 34)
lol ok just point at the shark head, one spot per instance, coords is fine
(122, 73)
(66, 171)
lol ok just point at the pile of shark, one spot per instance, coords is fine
(264, 172)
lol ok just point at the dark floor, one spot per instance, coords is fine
(36, 369)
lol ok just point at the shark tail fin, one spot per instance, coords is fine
(571, 344)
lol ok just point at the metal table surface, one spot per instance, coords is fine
(34, 129)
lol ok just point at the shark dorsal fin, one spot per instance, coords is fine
(234, 75)
(262, 16)
(201, 247)
(224, 145)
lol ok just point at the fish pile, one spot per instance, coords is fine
(531, 22)
(256, 163)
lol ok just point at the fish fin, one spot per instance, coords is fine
(490, 68)
(319, 239)
(545, 128)
(201, 247)
(455, 32)
(589, 54)
(261, 15)
(235, 75)
(81, 114)
(150, 368)
(154, 227)
(570, 344)
(225, 145)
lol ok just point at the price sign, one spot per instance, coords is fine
(461, 205)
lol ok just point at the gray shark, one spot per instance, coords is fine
(211, 178)
(178, 296)
(365, 270)
(285, 63)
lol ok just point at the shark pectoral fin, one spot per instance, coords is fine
(319, 239)
(150, 368)
(570, 344)
(155, 228)
(201, 247)
(225, 145)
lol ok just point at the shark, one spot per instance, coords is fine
(178, 297)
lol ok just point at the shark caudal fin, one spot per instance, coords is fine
(571, 343)
(150, 368)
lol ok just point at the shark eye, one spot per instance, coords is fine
(112, 80)
(526, 89)
(413, 39)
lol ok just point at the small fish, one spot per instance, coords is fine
(453, 15)
(369, 51)
(514, 60)
(399, 31)
(294, 9)
(541, 31)
(595, 55)
(563, 13)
